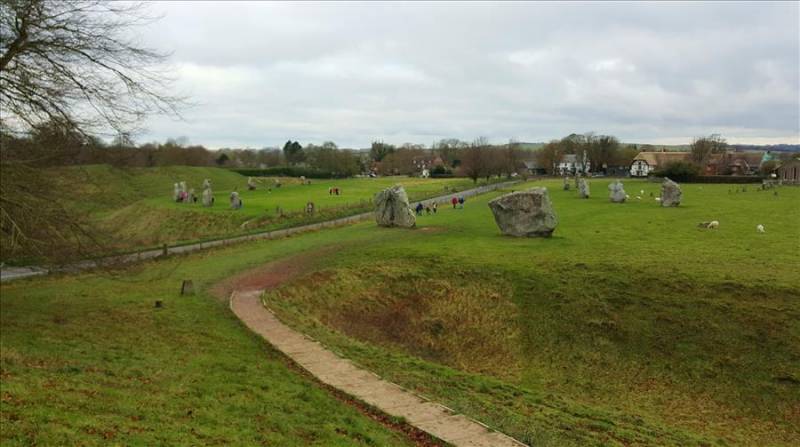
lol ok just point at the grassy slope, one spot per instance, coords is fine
(88, 360)
(629, 326)
(135, 204)
(628, 312)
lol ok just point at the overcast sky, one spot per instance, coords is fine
(261, 73)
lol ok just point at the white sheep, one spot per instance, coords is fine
(760, 228)
(641, 192)
(638, 197)
(658, 199)
(713, 224)
(627, 197)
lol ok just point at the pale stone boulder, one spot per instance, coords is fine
(616, 192)
(670, 193)
(566, 183)
(236, 201)
(392, 208)
(525, 213)
(583, 188)
(208, 196)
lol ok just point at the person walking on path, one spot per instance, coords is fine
(461, 202)
(435, 206)
(454, 201)
(419, 209)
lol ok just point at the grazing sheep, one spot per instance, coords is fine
(713, 224)
(638, 197)
(658, 199)
(627, 197)
(760, 228)
(641, 192)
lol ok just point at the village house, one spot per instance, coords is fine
(646, 162)
(533, 167)
(789, 172)
(425, 164)
(734, 163)
(571, 164)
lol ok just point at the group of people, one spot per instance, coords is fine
(458, 202)
(428, 208)
(334, 190)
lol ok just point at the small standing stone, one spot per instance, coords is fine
(670, 193)
(310, 208)
(616, 192)
(566, 183)
(208, 196)
(236, 201)
(187, 287)
(251, 184)
(583, 188)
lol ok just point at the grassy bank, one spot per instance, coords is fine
(89, 360)
(629, 326)
(134, 208)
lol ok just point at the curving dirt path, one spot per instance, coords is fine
(339, 373)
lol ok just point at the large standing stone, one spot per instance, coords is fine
(566, 183)
(525, 213)
(583, 188)
(392, 208)
(616, 192)
(251, 184)
(670, 193)
(208, 196)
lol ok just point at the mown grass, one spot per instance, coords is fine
(629, 326)
(89, 360)
(134, 206)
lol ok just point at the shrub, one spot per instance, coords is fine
(681, 171)
(286, 171)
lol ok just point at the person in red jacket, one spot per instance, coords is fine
(454, 201)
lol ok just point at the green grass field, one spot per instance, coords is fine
(630, 326)
(88, 360)
(134, 206)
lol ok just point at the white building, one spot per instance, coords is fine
(573, 163)
(646, 162)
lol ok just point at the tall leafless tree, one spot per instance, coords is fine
(73, 64)
(475, 159)
(76, 62)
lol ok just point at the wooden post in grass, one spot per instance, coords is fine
(164, 250)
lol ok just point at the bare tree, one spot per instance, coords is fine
(73, 65)
(74, 62)
(549, 156)
(474, 159)
(703, 147)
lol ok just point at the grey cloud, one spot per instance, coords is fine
(262, 73)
